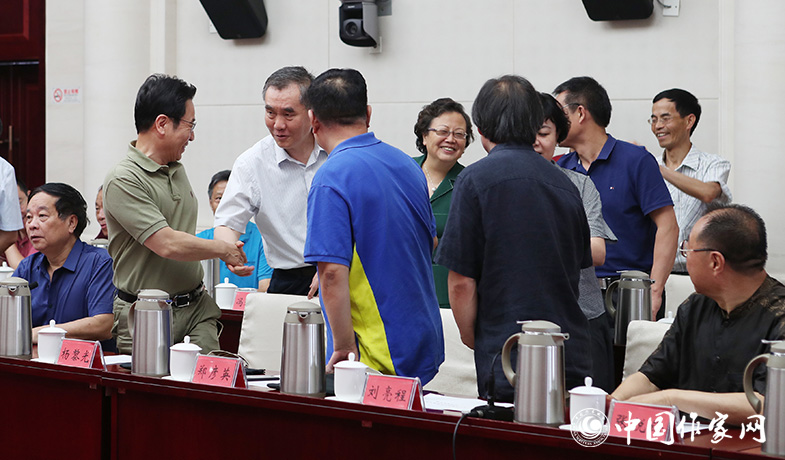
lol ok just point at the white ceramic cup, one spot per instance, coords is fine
(182, 359)
(586, 397)
(49, 341)
(5, 271)
(350, 379)
(224, 294)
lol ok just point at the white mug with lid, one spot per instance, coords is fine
(586, 397)
(50, 339)
(182, 359)
(224, 293)
(350, 379)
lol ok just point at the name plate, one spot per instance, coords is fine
(219, 371)
(643, 421)
(239, 298)
(393, 391)
(81, 353)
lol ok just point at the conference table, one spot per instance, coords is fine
(53, 411)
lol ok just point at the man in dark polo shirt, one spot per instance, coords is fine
(635, 201)
(516, 238)
(699, 364)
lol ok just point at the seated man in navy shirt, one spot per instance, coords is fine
(74, 279)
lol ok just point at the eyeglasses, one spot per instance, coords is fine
(191, 124)
(441, 132)
(665, 119)
(683, 250)
(564, 107)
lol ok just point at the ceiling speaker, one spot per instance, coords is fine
(237, 18)
(618, 10)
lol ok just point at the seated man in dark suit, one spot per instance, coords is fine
(699, 364)
(74, 279)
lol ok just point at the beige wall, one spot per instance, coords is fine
(728, 53)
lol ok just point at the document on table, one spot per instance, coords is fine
(262, 380)
(435, 401)
(117, 359)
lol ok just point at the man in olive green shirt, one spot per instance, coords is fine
(151, 218)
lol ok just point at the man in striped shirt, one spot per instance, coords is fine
(694, 178)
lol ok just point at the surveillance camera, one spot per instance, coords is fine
(359, 22)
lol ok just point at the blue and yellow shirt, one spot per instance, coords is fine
(368, 209)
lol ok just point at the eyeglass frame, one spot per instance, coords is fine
(665, 119)
(461, 136)
(191, 124)
(683, 251)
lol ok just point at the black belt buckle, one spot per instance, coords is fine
(182, 300)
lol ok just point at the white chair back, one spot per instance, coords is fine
(677, 289)
(457, 375)
(642, 339)
(261, 333)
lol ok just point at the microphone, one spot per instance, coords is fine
(33, 285)
(491, 411)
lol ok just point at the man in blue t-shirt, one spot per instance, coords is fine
(371, 231)
(636, 203)
(252, 242)
(74, 279)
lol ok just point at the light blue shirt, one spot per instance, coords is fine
(254, 251)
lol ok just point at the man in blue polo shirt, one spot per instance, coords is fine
(74, 279)
(371, 232)
(636, 203)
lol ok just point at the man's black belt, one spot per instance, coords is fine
(181, 300)
(309, 270)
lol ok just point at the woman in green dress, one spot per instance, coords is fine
(443, 131)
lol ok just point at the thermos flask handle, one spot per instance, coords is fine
(749, 391)
(609, 298)
(506, 366)
(131, 319)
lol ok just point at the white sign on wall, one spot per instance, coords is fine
(66, 95)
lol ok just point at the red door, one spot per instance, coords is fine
(22, 108)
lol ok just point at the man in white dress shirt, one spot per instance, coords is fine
(270, 181)
(10, 218)
(694, 178)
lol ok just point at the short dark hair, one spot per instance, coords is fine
(69, 202)
(587, 92)
(686, 103)
(554, 112)
(286, 76)
(436, 109)
(339, 96)
(739, 233)
(22, 186)
(507, 110)
(161, 95)
(220, 176)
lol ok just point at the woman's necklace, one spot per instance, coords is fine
(431, 185)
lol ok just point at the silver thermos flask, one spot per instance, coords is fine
(150, 324)
(774, 409)
(539, 382)
(212, 275)
(302, 355)
(634, 302)
(16, 327)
